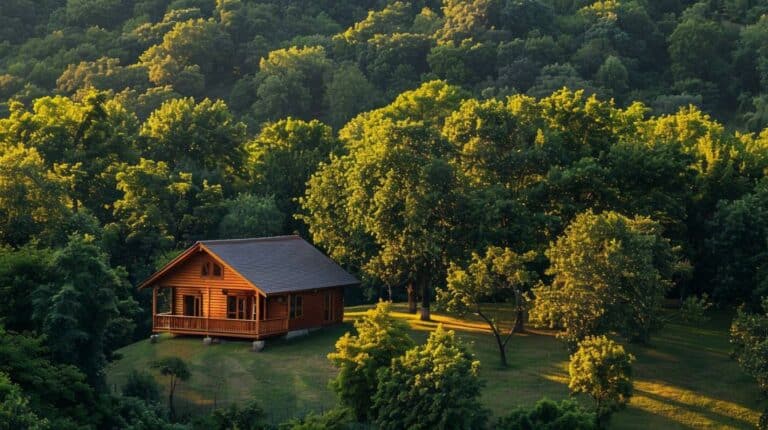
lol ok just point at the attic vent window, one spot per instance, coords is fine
(209, 269)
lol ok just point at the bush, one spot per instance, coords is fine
(749, 337)
(335, 419)
(249, 417)
(379, 339)
(549, 415)
(693, 309)
(602, 369)
(433, 386)
(143, 386)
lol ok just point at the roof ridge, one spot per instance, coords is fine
(251, 239)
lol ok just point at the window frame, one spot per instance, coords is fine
(209, 269)
(328, 306)
(197, 305)
(296, 307)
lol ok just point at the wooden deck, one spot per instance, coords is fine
(251, 329)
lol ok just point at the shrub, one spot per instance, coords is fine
(749, 337)
(249, 417)
(549, 415)
(602, 369)
(693, 309)
(433, 386)
(143, 386)
(335, 419)
(379, 339)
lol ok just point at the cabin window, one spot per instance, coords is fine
(193, 306)
(328, 306)
(209, 269)
(297, 306)
(238, 307)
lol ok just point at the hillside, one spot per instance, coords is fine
(685, 379)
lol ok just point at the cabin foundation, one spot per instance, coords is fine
(258, 345)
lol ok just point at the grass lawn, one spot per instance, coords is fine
(684, 379)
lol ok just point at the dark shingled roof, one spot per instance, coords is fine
(280, 264)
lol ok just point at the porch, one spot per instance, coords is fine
(244, 328)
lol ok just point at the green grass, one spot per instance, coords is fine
(684, 379)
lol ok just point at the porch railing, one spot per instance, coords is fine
(181, 323)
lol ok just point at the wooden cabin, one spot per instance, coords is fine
(248, 288)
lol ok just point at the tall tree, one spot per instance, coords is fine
(283, 157)
(610, 273)
(201, 137)
(87, 312)
(399, 195)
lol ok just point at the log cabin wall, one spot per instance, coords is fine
(277, 307)
(313, 308)
(186, 279)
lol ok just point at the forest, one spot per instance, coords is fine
(588, 162)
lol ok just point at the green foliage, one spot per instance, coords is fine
(602, 369)
(499, 275)
(378, 340)
(251, 216)
(248, 417)
(285, 154)
(142, 385)
(335, 419)
(693, 310)
(613, 75)
(14, 408)
(201, 136)
(610, 273)
(87, 311)
(176, 370)
(435, 385)
(739, 226)
(31, 196)
(292, 82)
(750, 343)
(549, 415)
(56, 392)
(22, 271)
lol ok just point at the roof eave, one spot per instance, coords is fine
(168, 266)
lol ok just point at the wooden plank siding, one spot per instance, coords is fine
(313, 308)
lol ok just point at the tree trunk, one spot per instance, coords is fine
(502, 348)
(519, 322)
(411, 298)
(171, 409)
(425, 315)
(519, 326)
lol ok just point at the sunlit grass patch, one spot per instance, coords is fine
(684, 378)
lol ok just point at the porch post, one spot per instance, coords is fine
(154, 305)
(256, 305)
(208, 312)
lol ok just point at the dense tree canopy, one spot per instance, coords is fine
(616, 151)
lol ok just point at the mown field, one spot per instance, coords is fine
(684, 379)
